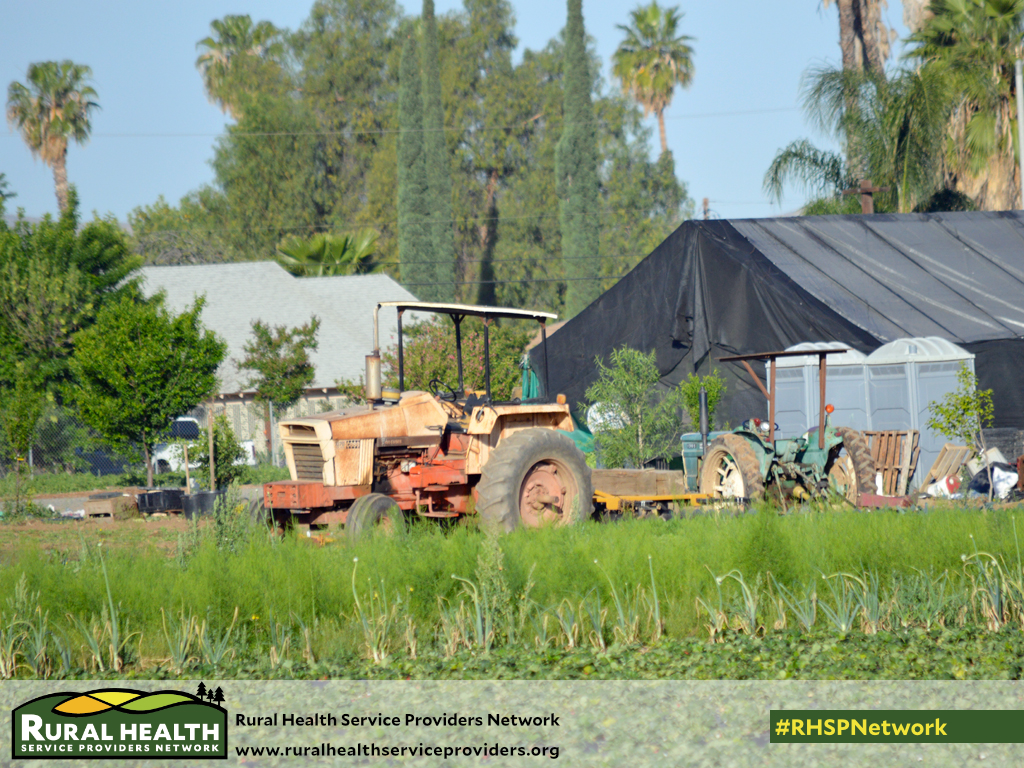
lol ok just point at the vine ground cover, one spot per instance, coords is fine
(837, 594)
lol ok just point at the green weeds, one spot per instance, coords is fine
(238, 598)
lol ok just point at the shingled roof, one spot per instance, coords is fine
(237, 294)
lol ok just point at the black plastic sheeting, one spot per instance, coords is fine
(715, 288)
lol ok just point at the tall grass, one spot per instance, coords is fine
(234, 592)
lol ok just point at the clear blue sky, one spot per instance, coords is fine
(156, 130)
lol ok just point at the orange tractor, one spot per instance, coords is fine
(444, 453)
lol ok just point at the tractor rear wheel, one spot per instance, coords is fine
(534, 478)
(850, 466)
(375, 510)
(731, 470)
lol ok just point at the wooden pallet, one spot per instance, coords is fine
(895, 455)
(949, 461)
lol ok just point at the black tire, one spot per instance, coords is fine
(535, 477)
(855, 453)
(375, 510)
(731, 470)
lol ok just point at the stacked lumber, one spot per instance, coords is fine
(639, 482)
(895, 455)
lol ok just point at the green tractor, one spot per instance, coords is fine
(749, 462)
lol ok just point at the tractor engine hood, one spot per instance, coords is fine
(417, 418)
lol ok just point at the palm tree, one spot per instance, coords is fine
(653, 60)
(893, 132)
(863, 34)
(55, 106)
(235, 39)
(327, 255)
(974, 43)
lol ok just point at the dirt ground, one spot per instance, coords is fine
(70, 534)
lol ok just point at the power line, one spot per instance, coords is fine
(316, 228)
(388, 131)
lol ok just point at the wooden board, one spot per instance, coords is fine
(895, 455)
(949, 461)
(638, 482)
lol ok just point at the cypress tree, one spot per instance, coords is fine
(414, 245)
(576, 172)
(438, 166)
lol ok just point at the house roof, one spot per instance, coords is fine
(240, 293)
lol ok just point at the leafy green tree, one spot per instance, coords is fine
(54, 278)
(324, 157)
(429, 353)
(437, 163)
(635, 424)
(491, 108)
(138, 367)
(347, 54)
(327, 255)
(5, 192)
(278, 359)
(654, 59)
(167, 236)
(266, 179)
(576, 172)
(52, 108)
(228, 454)
(21, 405)
(963, 413)
(414, 235)
(235, 57)
(714, 385)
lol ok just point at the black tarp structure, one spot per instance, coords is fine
(726, 287)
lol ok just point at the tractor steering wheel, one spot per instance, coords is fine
(442, 391)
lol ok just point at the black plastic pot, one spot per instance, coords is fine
(202, 503)
(162, 500)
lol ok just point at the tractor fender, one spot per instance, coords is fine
(765, 454)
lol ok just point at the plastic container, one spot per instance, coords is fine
(202, 503)
(161, 500)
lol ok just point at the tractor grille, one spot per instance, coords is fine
(309, 462)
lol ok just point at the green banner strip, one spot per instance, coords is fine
(896, 726)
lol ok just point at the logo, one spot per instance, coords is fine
(122, 723)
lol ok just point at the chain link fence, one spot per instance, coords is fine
(64, 444)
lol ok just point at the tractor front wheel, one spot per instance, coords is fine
(375, 510)
(851, 469)
(533, 478)
(731, 470)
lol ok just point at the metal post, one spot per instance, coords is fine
(188, 480)
(771, 401)
(821, 405)
(273, 448)
(401, 360)
(457, 319)
(1019, 70)
(209, 428)
(544, 346)
(704, 420)
(487, 358)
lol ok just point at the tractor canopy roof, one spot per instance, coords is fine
(469, 309)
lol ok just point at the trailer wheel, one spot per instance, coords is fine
(850, 465)
(375, 510)
(731, 470)
(534, 478)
